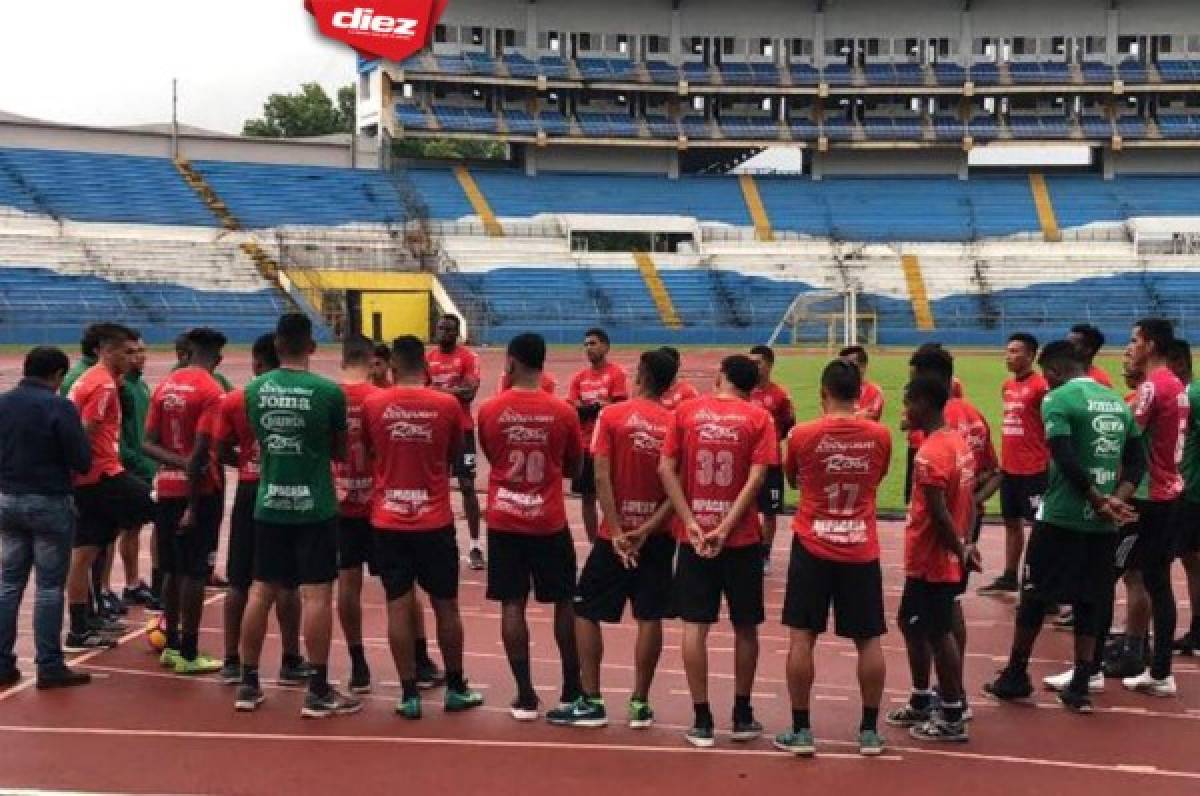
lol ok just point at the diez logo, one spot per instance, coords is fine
(392, 29)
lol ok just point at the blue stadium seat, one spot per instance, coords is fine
(519, 66)
(520, 122)
(554, 123)
(749, 127)
(1132, 71)
(1096, 126)
(662, 72)
(553, 67)
(473, 120)
(947, 127)
(985, 74)
(1096, 72)
(662, 127)
(412, 116)
(838, 75)
(948, 74)
(607, 125)
(1179, 71)
(805, 74)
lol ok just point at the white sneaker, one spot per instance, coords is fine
(1060, 682)
(1144, 683)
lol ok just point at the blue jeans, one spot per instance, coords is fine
(36, 532)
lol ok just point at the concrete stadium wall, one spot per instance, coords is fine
(601, 159)
(875, 163)
(1152, 161)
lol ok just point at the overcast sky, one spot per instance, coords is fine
(111, 63)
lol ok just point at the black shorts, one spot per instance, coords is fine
(927, 609)
(239, 562)
(293, 555)
(191, 552)
(463, 465)
(736, 573)
(770, 496)
(585, 483)
(1187, 527)
(429, 558)
(1153, 544)
(606, 585)
(1021, 495)
(854, 589)
(113, 504)
(517, 559)
(1069, 567)
(355, 544)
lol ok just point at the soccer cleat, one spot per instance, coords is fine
(458, 701)
(1060, 682)
(746, 730)
(107, 626)
(641, 717)
(1187, 644)
(168, 658)
(201, 664)
(940, 730)
(409, 708)
(112, 604)
(429, 675)
(61, 678)
(138, 595)
(1005, 584)
(870, 743)
(797, 742)
(88, 641)
(331, 703)
(524, 709)
(231, 673)
(294, 673)
(1075, 702)
(360, 680)
(907, 716)
(249, 697)
(1010, 686)
(583, 712)
(701, 737)
(1124, 665)
(1146, 683)
(475, 559)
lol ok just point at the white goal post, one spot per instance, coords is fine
(812, 308)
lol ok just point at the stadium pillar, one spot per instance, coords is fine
(676, 42)
(1108, 162)
(819, 39)
(965, 45)
(816, 159)
(1113, 18)
(531, 31)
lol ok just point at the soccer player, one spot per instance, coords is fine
(548, 384)
(381, 366)
(237, 446)
(88, 358)
(599, 384)
(632, 558)
(778, 403)
(870, 399)
(454, 368)
(1023, 455)
(191, 498)
(714, 462)
(135, 405)
(681, 389)
(299, 420)
(532, 441)
(410, 433)
(1187, 513)
(1089, 340)
(937, 554)
(837, 463)
(107, 498)
(1096, 462)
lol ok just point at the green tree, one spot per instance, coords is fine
(448, 149)
(307, 112)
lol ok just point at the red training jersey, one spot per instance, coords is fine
(775, 400)
(838, 464)
(548, 383)
(943, 461)
(870, 402)
(971, 424)
(607, 384)
(234, 424)
(715, 440)
(411, 434)
(630, 435)
(1161, 411)
(354, 478)
(530, 438)
(95, 395)
(453, 370)
(1023, 449)
(682, 390)
(185, 405)
(1098, 374)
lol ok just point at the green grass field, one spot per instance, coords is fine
(981, 372)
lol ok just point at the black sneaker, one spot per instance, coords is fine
(1124, 665)
(1187, 644)
(61, 678)
(908, 716)
(475, 559)
(113, 604)
(1010, 686)
(1005, 584)
(331, 703)
(231, 673)
(85, 642)
(429, 675)
(746, 730)
(940, 730)
(294, 674)
(138, 595)
(106, 625)
(360, 679)
(249, 697)
(1075, 702)
(10, 677)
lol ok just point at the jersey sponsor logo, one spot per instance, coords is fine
(283, 445)
(1094, 405)
(1106, 446)
(289, 497)
(173, 402)
(715, 432)
(512, 416)
(403, 413)
(281, 420)
(830, 444)
(645, 442)
(406, 431)
(1108, 424)
(524, 435)
(271, 396)
(841, 463)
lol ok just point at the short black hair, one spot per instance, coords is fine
(856, 351)
(929, 388)
(742, 372)
(1180, 351)
(658, 371)
(90, 340)
(382, 351)
(842, 380)
(1159, 331)
(598, 333)
(672, 352)
(1027, 340)
(764, 351)
(112, 334)
(1093, 338)
(449, 316)
(529, 349)
(293, 334)
(206, 340)
(408, 354)
(264, 351)
(45, 362)
(933, 360)
(1061, 353)
(357, 350)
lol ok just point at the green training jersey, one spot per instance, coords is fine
(294, 415)
(1190, 466)
(78, 369)
(1099, 425)
(135, 405)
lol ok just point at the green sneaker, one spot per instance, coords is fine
(870, 743)
(583, 712)
(641, 716)
(169, 658)
(409, 708)
(798, 742)
(465, 699)
(201, 665)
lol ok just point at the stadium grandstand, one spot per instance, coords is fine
(638, 190)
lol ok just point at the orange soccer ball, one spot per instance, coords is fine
(156, 633)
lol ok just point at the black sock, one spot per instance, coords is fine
(1194, 630)
(741, 709)
(800, 720)
(409, 689)
(358, 656)
(173, 642)
(704, 716)
(1080, 677)
(520, 670)
(189, 646)
(920, 700)
(766, 550)
(572, 684)
(318, 683)
(953, 711)
(233, 660)
(79, 614)
(156, 579)
(455, 681)
(421, 650)
(250, 675)
(870, 719)
(1010, 574)
(1135, 646)
(1018, 662)
(291, 660)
